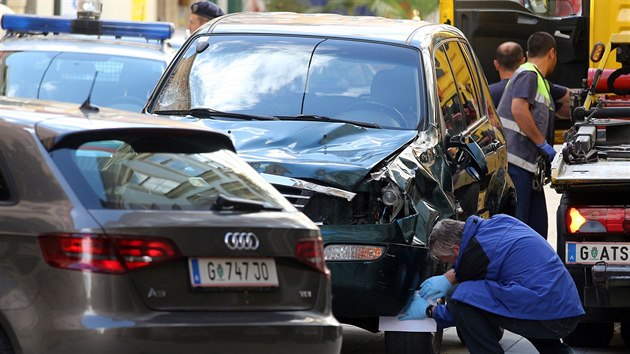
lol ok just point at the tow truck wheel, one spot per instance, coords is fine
(625, 333)
(413, 343)
(591, 335)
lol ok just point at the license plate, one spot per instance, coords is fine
(233, 272)
(593, 252)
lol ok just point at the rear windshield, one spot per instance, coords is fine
(119, 82)
(155, 172)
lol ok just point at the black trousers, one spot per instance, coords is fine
(478, 330)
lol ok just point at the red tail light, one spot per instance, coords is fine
(104, 254)
(311, 252)
(590, 220)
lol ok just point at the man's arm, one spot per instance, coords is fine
(564, 112)
(523, 117)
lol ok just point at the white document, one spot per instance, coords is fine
(395, 325)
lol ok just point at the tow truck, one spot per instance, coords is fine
(488, 23)
(593, 175)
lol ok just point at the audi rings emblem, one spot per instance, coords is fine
(241, 241)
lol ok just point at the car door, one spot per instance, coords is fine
(465, 119)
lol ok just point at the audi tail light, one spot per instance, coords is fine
(311, 252)
(597, 220)
(104, 254)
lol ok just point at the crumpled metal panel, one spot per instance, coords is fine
(337, 154)
(419, 171)
(301, 184)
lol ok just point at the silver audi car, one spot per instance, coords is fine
(125, 234)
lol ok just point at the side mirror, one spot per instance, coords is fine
(470, 157)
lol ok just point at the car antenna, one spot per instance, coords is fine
(87, 107)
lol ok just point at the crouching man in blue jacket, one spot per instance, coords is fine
(505, 276)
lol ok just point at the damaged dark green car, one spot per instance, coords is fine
(373, 128)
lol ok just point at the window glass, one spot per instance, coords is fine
(133, 172)
(475, 71)
(466, 91)
(447, 91)
(119, 82)
(290, 76)
(553, 8)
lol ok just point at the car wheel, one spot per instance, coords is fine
(591, 335)
(499, 334)
(413, 343)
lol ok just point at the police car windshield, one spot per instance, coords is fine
(122, 82)
(376, 84)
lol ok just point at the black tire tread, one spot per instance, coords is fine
(591, 335)
(413, 343)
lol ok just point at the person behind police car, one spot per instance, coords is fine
(505, 276)
(202, 12)
(527, 112)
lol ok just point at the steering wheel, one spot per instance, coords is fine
(387, 111)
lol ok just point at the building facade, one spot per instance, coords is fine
(175, 11)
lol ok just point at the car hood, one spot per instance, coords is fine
(337, 154)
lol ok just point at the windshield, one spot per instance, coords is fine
(145, 171)
(553, 8)
(122, 82)
(288, 77)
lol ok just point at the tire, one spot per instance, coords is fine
(413, 343)
(499, 334)
(591, 335)
(625, 333)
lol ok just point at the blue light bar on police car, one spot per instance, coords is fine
(42, 24)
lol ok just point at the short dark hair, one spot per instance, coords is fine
(539, 44)
(206, 9)
(509, 55)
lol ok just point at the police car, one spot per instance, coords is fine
(112, 64)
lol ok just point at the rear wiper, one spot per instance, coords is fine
(201, 112)
(318, 118)
(232, 203)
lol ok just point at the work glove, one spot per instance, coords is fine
(435, 287)
(547, 150)
(416, 310)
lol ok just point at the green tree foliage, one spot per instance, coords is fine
(384, 8)
(288, 5)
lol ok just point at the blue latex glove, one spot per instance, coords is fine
(416, 310)
(548, 150)
(435, 287)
